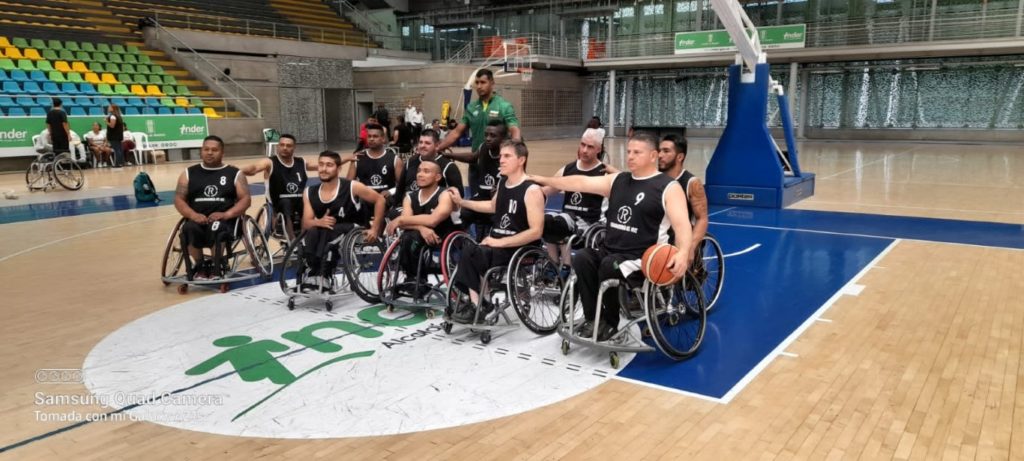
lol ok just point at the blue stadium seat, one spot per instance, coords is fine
(19, 75)
(3, 76)
(6, 101)
(153, 102)
(164, 111)
(83, 101)
(43, 101)
(37, 111)
(77, 111)
(180, 111)
(119, 102)
(194, 111)
(87, 88)
(148, 111)
(11, 87)
(38, 76)
(102, 102)
(69, 88)
(48, 87)
(95, 111)
(131, 111)
(31, 88)
(25, 101)
(16, 112)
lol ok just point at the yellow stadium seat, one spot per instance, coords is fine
(79, 66)
(153, 90)
(138, 91)
(4, 43)
(33, 54)
(91, 77)
(13, 53)
(182, 102)
(109, 79)
(209, 112)
(61, 66)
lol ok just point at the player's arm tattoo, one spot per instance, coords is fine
(181, 190)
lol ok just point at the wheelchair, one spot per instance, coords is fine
(708, 267)
(531, 285)
(48, 171)
(438, 265)
(356, 270)
(247, 256)
(278, 227)
(674, 315)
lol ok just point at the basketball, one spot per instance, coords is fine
(654, 264)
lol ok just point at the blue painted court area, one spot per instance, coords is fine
(768, 293)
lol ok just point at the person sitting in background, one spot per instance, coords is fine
(98, 146)
(128, 146)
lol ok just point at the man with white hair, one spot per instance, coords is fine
(579, 209)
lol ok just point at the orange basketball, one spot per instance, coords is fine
(654, 264)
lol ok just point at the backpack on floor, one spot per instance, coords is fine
(145, 191)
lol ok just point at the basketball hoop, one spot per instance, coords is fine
(526, 73)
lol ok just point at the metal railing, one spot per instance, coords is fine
(361, 19)
(212, 75)
(203, 22)
(463, 56)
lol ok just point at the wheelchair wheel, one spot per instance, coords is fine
(361, 261)
(390, 270)
(294, 268)
(709, 269)
(174, 256)
(451, 253)
(594, 236)
(34, 176)
(68, 174)
(535, 287)
(565, 300)
(263, 218)
(677, 317)
(257, 247)
(287, 229)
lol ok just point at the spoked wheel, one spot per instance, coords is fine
(263, 219)
(68, 174)
(174, 259)
(257, 246)
(287, 231)
(709, 269)
(595, 235)
(361, 261)
(677, 317)
(536, 287)
(568, 312)
(293, 269)
(34, 176)
(451, 253)
(390, 270)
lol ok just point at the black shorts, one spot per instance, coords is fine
(206, 235)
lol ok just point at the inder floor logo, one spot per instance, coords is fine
(359, 371)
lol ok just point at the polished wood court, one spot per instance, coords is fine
(925, 363)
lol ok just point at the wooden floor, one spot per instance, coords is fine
(924, 364)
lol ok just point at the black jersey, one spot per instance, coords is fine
(684, 180)
(211, 190)
(510, 209)
(344, 205)
(636, 213)
(582, 205)
(487, 173)
(450, 175)
(427, 206)
(377, 173)
(286, 182)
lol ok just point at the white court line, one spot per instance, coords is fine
(794, 229)
(789, 354)
(668, 389)
(82, 234)
(748, 250)
(781, 348)
(823, 320)
(884, 157)
(722, 211)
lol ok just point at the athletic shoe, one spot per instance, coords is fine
(605, 332)
(586, 330)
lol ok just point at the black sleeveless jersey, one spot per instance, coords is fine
(442, 228)
(684, 180)
(211, 190)
(344, 206)
(584, 206)
(377, 173)
(510, 209)
(487, 173)
(636, 213)
(450, 175)
(286, 182)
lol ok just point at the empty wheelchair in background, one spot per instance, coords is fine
(355, 268)
(426, 286)
(49, 170)
(674, 315)
(530, 284)
(246, 257)
(278, 227)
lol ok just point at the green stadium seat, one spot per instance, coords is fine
(155, 80)
(57, 77)
(50, 55)
(197, 102)
(122, 90)
(132, 49)
(102, 47)
(114, 57)
(38, 44)
(96, 67)
(142, 69)
(128, 69)
(168, 90)
(130, 58)
(71, 45)
(156, 70)
(87, 46)
(99, 57)
(170, 80)
(44, 66)
(7, 64)
(111, 68)
(66, 55)
(144, 59)
(19, 42)
(167, 102)
(75, 77)
(105, 89)
(26, 65)
(82, 56)
(117, 48)
(54, 45)
(183, 90)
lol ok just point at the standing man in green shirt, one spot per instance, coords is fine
(489, 106)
